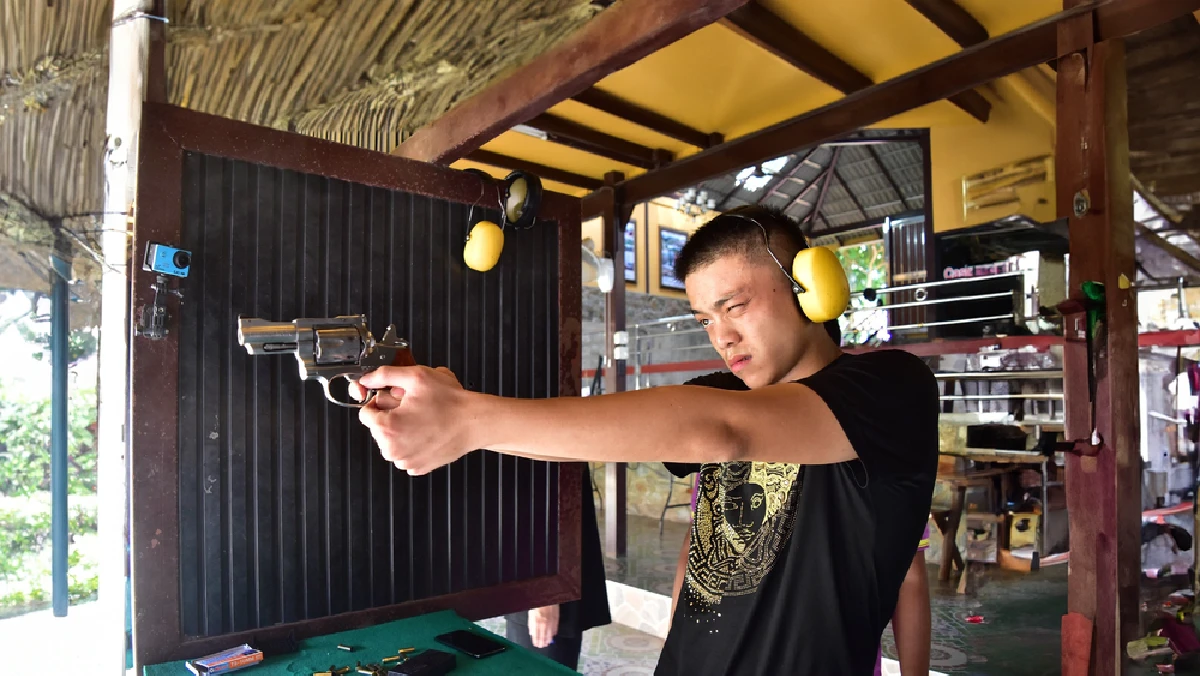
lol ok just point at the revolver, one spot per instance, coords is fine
(327, 348)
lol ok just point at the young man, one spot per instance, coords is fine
(911, 623)
(815, 475)
(912, 618)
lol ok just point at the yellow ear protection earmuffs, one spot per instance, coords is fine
(520, 196)
(817, 278)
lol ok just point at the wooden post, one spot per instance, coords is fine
(615, 215)
(136, 72)
(1104, 490)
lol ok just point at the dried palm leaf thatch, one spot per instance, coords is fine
(361, 72)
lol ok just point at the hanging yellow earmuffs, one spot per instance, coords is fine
(519, 202)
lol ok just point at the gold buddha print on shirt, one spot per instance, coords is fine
(745, 513)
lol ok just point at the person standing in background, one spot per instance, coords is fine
(557, 631)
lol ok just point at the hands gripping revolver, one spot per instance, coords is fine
(327, 348)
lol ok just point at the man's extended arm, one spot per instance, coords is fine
(438, 422)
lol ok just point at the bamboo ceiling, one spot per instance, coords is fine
(362, 72)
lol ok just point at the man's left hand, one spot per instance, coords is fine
(543, 626)
(419, 424)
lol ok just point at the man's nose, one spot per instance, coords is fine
(725, 336)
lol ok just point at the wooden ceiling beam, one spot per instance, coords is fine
(574, 135)
(953, 20)
(617, 37)
(643, 117)
(1000, 56)
(542, 171)
(764, 28)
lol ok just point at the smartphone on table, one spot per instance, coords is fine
(471, 644)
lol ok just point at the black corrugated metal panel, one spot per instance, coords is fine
(287, 510)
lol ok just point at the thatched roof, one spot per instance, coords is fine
(361, 72)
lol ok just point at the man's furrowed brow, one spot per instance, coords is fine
(725, 298)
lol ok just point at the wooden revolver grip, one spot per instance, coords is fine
(404, 357)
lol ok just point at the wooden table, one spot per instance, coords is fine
(948, 520)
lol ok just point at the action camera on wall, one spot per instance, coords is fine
(167, 260)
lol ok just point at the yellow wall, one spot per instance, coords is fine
(1014, 132)
(660, 215)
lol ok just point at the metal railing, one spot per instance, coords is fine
(677, 337)
(675, 327)
(920, 293)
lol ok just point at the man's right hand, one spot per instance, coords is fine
(390, 398)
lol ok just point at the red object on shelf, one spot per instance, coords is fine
(974, 619)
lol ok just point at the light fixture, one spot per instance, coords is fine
(530, 131)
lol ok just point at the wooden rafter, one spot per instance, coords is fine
(1000, 56)
(762, 27)
(1161, 208)
(953, 20)
(828, 176)
(728, 196)
(778, 181)
(643, 117)
(798, 199)
(549, 173)
(1174, 251)
(572, 134)
(850, 193)
(619, 36)
(887, 174)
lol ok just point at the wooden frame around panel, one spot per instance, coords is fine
(167, 132)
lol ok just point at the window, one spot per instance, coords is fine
(866, 267)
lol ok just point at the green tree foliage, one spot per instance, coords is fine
(25, 551)
(865, 265)
(81, 344)
(25, 443)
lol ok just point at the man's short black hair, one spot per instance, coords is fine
(732, 233)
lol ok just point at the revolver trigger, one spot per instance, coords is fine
(345, 404)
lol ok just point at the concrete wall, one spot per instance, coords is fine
(661, 345)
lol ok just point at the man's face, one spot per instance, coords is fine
(746, 306)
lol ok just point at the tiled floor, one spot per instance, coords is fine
(651, 559)
(1021, 612)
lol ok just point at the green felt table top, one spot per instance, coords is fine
(372, 644)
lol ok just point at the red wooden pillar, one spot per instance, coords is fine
(1104, 489)
(614, 215)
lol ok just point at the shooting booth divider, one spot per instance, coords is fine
(258, 509)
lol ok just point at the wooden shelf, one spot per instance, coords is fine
(1030, 374)
(998, 455)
